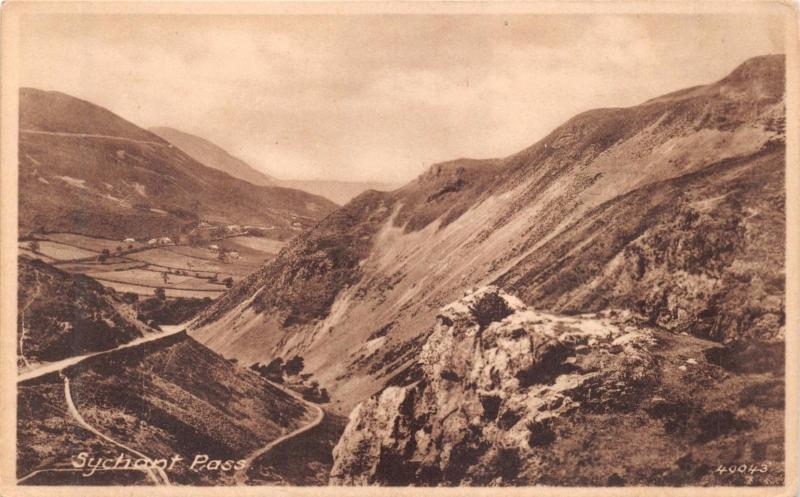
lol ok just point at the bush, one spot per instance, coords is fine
(294, 365)
(130, 297)
(160, 294)
(490, 308)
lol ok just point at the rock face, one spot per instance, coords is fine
(506, 391)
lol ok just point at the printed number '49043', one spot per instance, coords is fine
(741, 468)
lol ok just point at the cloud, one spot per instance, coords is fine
(378, 97)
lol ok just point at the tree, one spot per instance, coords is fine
(294, 365)
(106, 252)
(165, 276)
(222, 255)
(119, 248)
(34, 246)
(130, 297)
(228, 282)
(161, 294)
(130, 246)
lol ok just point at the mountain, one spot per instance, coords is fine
(86, 170)
(62, 315)
(340, 192)
(672, 209)
(206, 153)
(508, 395)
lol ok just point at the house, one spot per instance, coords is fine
(152, 241)
(233, 254)
(213, 248)
(129, 240)
(164, 240)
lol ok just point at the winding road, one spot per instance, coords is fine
(22, 319)
(52, 367)
(240, 477)
(90, 135)
(158, 475)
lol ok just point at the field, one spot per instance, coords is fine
(89, 243)
(259, 244)
(61, 252)
(181, 270)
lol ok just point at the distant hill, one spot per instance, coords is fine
(209, 154)
(212, 155)
(340, 192)
(84, 169)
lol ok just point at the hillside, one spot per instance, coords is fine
(63, 315)
(169, 395)
(85, 170)
(208, 154)
(163, 398)
(672, 209)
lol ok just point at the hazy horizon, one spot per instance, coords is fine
(378, 98)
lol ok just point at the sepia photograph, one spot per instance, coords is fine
(258, 247)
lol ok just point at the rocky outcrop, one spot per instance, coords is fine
(506, 391)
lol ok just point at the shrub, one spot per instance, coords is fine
(294, 365)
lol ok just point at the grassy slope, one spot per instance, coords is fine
(167, 397)
(207, 153)
(118, 181)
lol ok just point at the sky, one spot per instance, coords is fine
(378, 97)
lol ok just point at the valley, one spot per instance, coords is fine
(612, 296)
(189, 270)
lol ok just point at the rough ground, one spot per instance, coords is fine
(63, 315)
(171, 396)
(513, 396)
